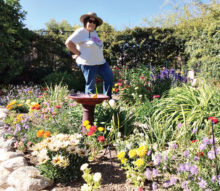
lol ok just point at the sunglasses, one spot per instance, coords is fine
(92, 21)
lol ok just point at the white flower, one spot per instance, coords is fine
(140, 96)
(86, 187)
(119, 134)
(104, 104)
(97, 176)
(84, 167)
(112, 103)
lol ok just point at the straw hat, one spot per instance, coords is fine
(91, 14)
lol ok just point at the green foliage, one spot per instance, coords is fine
(187, 106)
(145, 46)
(13, 40)
(68, 79)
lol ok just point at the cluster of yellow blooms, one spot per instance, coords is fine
(135, 154)
(13, 104)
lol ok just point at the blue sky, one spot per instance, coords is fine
(118, 13)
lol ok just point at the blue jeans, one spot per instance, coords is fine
(90, 73)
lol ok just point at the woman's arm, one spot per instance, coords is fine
(72, 47)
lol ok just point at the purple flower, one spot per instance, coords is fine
(202, 146)
(186, 153)
(154, 172)
(174, 146)
(179, 125)
(181, 168)
(214, 179)
(154, 186)
(148, 153)
(165, 157)
(206, 141)
(158, 160)
(173, 181)
(166, 184)
(194, 130)
(194, 170)
(187, 166)
(211, 155)
(184, 185)
(148, 173)
(196, 158)
(202, 184)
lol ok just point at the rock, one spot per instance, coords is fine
(28, 179)
(6, 144)
(5, 155)
(10, 189)
(3, 177)
(14, 163)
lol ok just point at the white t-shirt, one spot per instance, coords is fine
(90, 46)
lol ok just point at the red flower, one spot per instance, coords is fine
(142, 77)
(116, 90)
(44, 89)
(214, 119)
(93, 128)
(194, 141)
(140, 189)
(156, 96)
(200, 154)
(58, 106)
(89, 133)
(120, 80)
(116, 68)
(101, 139)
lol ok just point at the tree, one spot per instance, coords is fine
(13, 41)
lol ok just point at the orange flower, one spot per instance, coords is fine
(54, 113)
(46, 134)
(36, 106)
(40, 133)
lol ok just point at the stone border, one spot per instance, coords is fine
(15, 174)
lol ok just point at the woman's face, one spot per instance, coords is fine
(91, 24)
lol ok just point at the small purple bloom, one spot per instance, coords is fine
(214, 179)
(174, 146)
(181, 168)
(194, 170)
(179, 125)
(194, 130)
(187, 166)
(184, 185)
(166, 184)
(186, 153)
(173, 181)
(196, 158)
(202, 184)
(211, 155)
(154, 172)
(154, 186)
(206, 141)
(148, 173)
(148, 153)
(202, 146)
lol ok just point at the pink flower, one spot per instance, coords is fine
(156, 96)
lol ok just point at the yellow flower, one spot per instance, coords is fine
(85, 123)
(88, 127)
(121, 155)
(142, 151)
(116, 84)
(113, 89)
(124, 160)
(29, 92)
(139, 163)
(132, 153)
(19, 105)
(101, 129)
(13, 102)
(19, 117)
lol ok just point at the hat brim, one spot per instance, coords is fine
(83, 17)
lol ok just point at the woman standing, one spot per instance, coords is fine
(87, 48)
